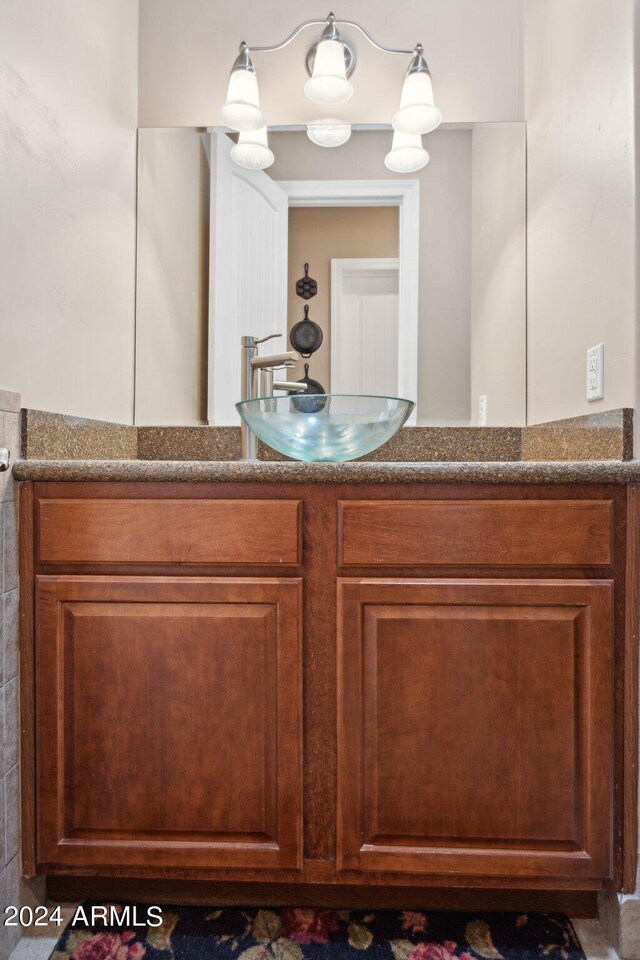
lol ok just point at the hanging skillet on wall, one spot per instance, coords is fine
(306, 287)
(313, 399)
(306, 335)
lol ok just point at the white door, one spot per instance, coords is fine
(364, 326)
(248, 252)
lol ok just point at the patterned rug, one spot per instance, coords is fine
(134, 932)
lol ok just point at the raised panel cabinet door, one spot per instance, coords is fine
(169, 722)
(475, 728)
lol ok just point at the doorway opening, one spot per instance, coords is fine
(352, 254)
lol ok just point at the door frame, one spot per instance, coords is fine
(224, 330)
(342, 267)
(404, 194)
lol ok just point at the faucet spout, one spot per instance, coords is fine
(290, 386)
(275, 360)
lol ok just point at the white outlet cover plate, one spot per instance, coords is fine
(595, 372)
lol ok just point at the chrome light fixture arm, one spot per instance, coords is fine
(287, 40)
(374, 43)
(329, 20)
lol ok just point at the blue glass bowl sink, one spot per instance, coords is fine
(325, 428)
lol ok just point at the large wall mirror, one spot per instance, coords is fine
(420, 278)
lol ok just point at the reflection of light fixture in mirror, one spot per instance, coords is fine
(252, 150)
(417, 113)
(407, 153)
(328, 133)
(242, 108)
(328, 82)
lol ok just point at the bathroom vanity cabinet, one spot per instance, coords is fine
(319, 683)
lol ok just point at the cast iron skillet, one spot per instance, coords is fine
(309, 401)
(306, 335)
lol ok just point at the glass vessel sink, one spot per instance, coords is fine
(322, 427)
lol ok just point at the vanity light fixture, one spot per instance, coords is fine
(328, 133)
(407, 153)
(330, 62)
(242, 108)
(417, 113)
(328, 82)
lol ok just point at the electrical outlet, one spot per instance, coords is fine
(595, 372)
(482, 411)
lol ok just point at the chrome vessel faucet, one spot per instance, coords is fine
(257, 381)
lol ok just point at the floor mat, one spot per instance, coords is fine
(139, 932)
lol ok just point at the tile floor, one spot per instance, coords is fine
(34, 948)
(591, 935)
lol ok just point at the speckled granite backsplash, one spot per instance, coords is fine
(56, 436)
(411, 445)
(604, 436)
(598, 436)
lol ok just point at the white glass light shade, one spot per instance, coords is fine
(252, 150)
(417, 113)
(242, 109)
(328, 83)
(328, 133)
(407, 154)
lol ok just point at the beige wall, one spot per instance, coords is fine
(445, 249)
(474, 48)
(172, 277)
(317, 235)
(579, 92)
(498, 273)
(68, 115)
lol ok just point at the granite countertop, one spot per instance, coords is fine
(200, 471)
(592, 449)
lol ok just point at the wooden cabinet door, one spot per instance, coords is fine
(169, 722)
(475, 727)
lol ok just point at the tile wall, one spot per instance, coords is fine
(10, 881)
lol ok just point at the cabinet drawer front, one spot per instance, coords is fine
(475, 727)
(169, 531)
(169, 722)
(550, 533)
